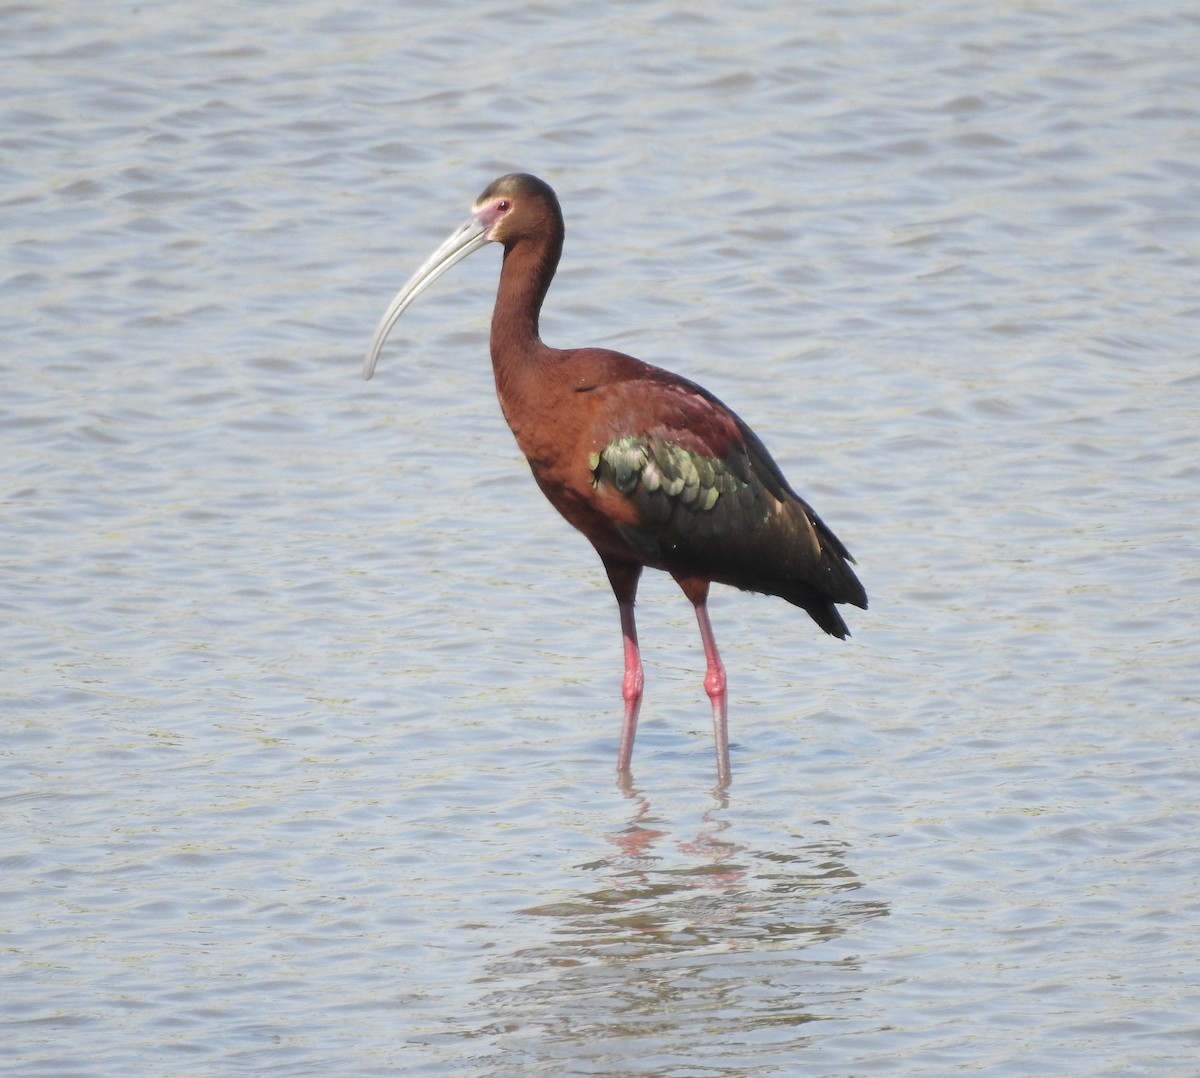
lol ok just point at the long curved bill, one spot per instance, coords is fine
(465, 240)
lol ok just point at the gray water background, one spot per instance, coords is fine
(308, 701)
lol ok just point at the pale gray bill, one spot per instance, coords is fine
(465, 240)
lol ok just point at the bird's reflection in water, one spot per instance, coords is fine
(685, 938)
(711, 858)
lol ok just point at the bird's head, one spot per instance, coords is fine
(510, 209)
(516, 206)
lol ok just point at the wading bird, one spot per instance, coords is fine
(651, 467)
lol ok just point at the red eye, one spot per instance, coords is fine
(503, 205)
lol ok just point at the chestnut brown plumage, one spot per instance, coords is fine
(651, 467)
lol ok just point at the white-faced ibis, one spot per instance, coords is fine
(651, 467)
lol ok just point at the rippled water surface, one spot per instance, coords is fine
(309, 704)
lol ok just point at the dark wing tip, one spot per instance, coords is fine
(827, 617)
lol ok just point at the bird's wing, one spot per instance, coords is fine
(709, 497)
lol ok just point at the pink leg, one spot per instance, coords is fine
(624, 579)
(631, 687)
(714, 685)
(696, 589)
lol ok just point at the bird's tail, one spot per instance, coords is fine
(837, 584)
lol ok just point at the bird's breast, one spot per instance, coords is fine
(600, 512)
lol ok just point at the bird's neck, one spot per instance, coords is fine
(519, 357)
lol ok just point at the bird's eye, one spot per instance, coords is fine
(504, 205)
